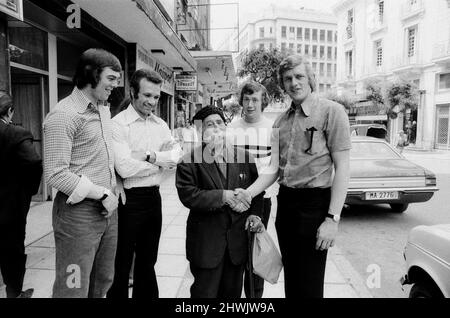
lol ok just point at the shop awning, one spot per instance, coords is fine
(141, 22)
(216, 72)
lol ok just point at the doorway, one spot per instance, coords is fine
(30, 95)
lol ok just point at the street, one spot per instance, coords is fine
(375, 236)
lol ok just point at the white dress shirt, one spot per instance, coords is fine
(132, 133)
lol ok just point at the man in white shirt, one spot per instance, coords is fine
(143, 147)
(252, 132)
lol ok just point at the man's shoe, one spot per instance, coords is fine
(27, 293)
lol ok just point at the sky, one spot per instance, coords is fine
(225, 16)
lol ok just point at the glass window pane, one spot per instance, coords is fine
(28, 45)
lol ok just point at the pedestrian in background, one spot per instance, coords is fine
(20, 179)
(402, 141)
(79, 163)
(143, 147)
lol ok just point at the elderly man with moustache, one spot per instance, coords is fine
(216, 238)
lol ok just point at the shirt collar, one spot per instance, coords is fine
(82, 102)
(306, 106)
(132, 116)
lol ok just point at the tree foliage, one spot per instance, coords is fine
(345, 100)
(262, 67)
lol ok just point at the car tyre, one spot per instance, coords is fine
(425, 290)
(399, 207)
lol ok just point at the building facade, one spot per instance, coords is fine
(41, 42)
(389, 40)
(296, 30)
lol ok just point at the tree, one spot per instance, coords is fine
(345, 100)
(401, 95)
(262, 66)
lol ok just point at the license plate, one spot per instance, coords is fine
(382, 195)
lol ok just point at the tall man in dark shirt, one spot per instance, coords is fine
(310, 157)
(21, 168)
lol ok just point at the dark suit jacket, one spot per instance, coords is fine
(21, 171)
(213, 228)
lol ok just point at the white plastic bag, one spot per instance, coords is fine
(266, 258)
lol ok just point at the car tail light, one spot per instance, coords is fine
(430, 180)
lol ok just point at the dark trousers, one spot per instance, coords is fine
(299, 215)
(12, 257)
(258, 282)
(224, 281)
(140, 221)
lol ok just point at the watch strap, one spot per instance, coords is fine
(105, 195)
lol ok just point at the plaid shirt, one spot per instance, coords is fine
(78, 147)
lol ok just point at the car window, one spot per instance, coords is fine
(372, 150)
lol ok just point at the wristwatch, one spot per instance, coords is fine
(149, 158)
(105, 195)
(335, 218)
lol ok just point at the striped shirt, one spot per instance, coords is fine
(78, 142)
(256, 138)
(131, 133)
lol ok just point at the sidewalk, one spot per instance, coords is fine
(172, 268)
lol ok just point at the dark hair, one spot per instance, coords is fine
(207, 111)
(138, 75)
(251, 87)
(91, 65)
(291, 62)
(6, 103)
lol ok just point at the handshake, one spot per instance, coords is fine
(239, 200)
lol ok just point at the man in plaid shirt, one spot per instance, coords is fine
(79, 163)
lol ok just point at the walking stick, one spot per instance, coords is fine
(251, 238)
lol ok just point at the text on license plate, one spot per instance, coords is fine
(382, 195)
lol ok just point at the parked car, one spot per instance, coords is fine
(379, 174)
(369, 130)
(427, 256)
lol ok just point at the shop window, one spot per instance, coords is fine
(444, 81)
(68, 56)
(28, 45)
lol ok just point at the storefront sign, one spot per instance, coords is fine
(146, 60)
(186, 82)
(12, 8)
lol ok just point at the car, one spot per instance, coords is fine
(427, 257)
(369, 130)
(379, 174)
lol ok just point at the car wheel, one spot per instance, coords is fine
(399, 207)
(425, 290)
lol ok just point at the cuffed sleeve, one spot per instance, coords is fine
(81, 191)
(125, 165)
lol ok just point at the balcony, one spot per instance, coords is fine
(413, 11)
(441, 53)
(378, 26)
(408, 66)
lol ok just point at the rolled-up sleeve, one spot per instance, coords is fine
(170, 158)
(125, 165)
(59, 131)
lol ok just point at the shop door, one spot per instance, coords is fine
(28, 94)
(443, 127)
